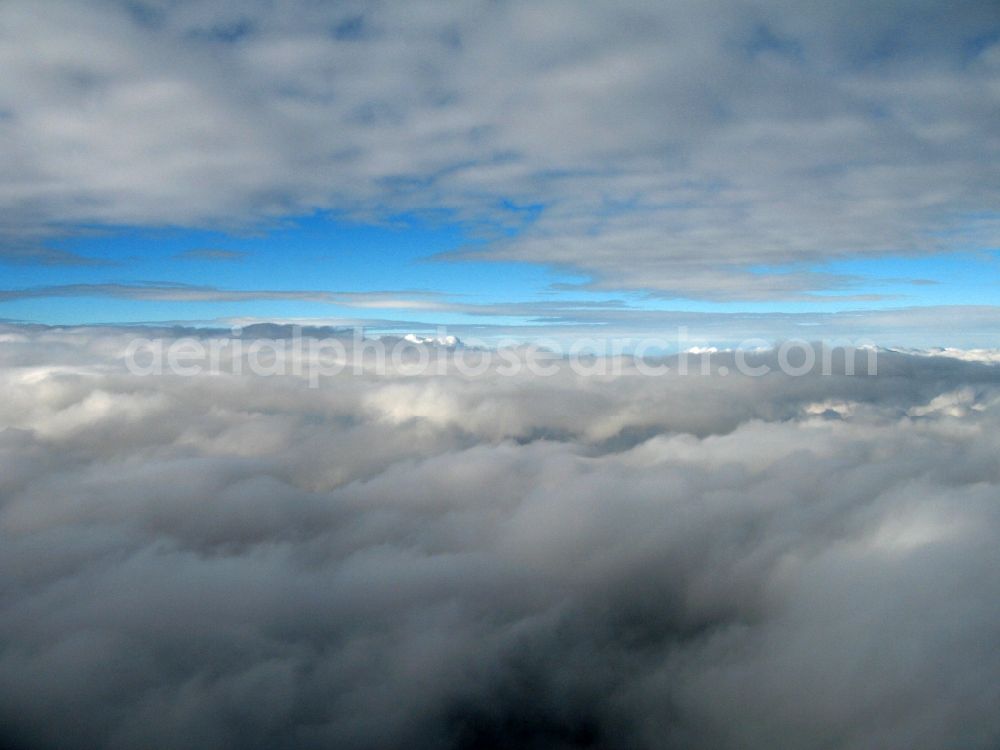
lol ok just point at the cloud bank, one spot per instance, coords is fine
(232, 561)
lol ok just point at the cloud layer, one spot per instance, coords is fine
(233, 561)
(698, 141)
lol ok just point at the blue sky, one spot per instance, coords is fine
(402, 255)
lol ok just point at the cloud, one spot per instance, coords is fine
(23, 253)
(676, 148)
(568, 319)
(447, 561)
(177, 292)
(969, 355)
(212, 253)
(602, 322)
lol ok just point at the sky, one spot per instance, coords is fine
(769, 518)
(504, 168)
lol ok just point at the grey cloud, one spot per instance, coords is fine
(157, 291)
(212, 253)
(673, 147)
(451, 562)
(20, 252)
(177, 292)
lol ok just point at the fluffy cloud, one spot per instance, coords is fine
(446, 561)
(700, 141)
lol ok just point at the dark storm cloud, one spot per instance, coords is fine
(698, 140)
(456, 562)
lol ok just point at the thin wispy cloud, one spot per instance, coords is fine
(20, 253)
(601, 320)
(212, 254)
(178, 292)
